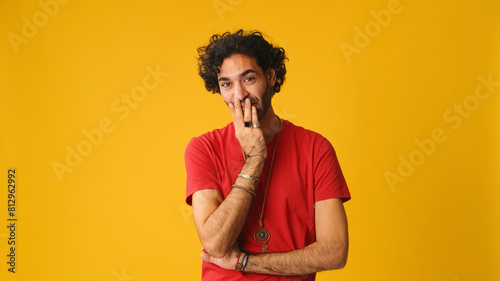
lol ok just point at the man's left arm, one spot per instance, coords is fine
(328, 252)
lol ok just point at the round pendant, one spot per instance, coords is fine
(261, 235)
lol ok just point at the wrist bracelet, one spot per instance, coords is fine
(249, 177)
(245, 189)
(248, 154)
(245, 265)
(240, 262)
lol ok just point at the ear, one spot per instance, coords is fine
(271, 76)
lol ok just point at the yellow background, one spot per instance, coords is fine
(120, 213)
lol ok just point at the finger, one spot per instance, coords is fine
(255, 118)
(238, 114)
(232, 110)
(248, 111)
(239, 120)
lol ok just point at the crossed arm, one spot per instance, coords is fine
(328, 252)
(219, 221)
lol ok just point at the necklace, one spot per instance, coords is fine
(262, 235)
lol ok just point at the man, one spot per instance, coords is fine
(267, 195)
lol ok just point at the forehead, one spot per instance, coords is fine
(236, 64)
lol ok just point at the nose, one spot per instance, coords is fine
(240, 92)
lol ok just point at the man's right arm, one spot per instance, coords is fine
(219, 221)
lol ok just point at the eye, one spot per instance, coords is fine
(225, 84)
(249, 79)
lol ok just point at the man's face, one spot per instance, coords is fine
(240, 77)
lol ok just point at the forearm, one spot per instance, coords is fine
(313, 258)
(224, 224)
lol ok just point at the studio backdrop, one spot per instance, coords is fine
(100, 98)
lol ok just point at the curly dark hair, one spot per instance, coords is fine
(250, 43)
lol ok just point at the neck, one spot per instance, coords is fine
(269, 124)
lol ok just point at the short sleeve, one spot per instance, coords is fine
(200, 168)
(329, 182)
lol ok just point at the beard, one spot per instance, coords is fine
(266, 102)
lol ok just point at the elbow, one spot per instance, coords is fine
(338, 260)
(216, 250)
(216, 245)
(216, 253)
(336, 263)
(341, 263)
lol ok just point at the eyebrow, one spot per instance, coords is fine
(241, 75)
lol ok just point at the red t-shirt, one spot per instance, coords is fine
(305, 170)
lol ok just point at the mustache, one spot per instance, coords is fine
(252, 102)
